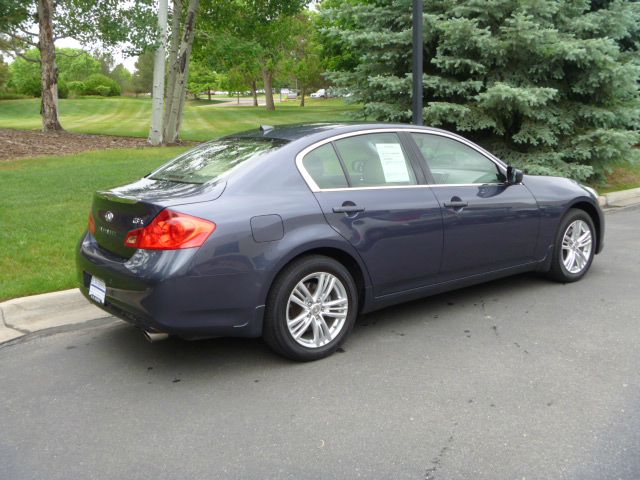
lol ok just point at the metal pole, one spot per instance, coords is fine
(418, 46)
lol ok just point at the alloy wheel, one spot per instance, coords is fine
(577, 243)
(317, 309)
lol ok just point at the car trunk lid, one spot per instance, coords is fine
(118, 211)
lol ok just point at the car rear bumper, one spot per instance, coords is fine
(156, 292)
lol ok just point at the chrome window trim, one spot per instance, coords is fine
(315, 188)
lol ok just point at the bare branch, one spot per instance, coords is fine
(21, 39)
(26, 32)
(24, 57)
(62, 54)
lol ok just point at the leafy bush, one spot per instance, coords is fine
(98, 80)
(76, 87)
(63, 89)
(8, 95)
(103, 90)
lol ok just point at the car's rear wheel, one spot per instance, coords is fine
(311, 308)
(574, 247)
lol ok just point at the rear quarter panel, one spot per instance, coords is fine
(271, 188)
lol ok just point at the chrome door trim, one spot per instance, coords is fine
(315, 188)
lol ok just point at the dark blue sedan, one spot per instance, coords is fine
(289, 233)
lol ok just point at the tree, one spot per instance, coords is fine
(202, 79)
(180, 73)
(306, 64)
(219, 49)
(5, 74)
(143, 76)
(157, 109)
(544, 84)
(25, 73)
(73, 65)
(49, 92)
(266, 25)
(109, 21)
(123, 76)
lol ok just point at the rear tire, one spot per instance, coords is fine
(574, 247)
(311, 308)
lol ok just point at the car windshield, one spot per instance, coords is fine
(213, 160)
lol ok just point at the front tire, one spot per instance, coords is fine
(312, 306)
(574, 247)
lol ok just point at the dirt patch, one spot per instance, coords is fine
(30, 143)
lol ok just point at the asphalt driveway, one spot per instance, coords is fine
(517, 379)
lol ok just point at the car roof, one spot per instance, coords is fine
(318, 131)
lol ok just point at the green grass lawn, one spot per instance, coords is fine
(44, 210)
(622, 177)
(129, 116)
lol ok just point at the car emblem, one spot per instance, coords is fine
(108, 216)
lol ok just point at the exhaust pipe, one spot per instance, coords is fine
(153, 337)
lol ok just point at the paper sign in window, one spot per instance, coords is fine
(393, 163)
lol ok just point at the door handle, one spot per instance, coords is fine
(456, 204)
(348, 209)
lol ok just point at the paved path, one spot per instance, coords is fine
(519, 378)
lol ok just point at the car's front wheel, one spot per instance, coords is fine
(311, 308)
(574, 247)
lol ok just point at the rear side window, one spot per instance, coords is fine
(374, 160)
(324, 167)
(213, 160)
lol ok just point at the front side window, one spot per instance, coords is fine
(452, 162)
(374, 160)
(213, 160)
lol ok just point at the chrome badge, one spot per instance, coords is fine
(108, 216)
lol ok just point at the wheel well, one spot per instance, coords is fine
(345, 259)
(593, 213)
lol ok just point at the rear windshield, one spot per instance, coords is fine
(213, 160)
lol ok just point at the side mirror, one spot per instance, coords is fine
(514, 176)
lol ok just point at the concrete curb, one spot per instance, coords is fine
(21, 316)
(622, 198)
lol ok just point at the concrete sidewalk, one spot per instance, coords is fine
(622, 198)
(25, 315)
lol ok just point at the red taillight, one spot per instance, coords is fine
(92, 224)
(169, 231)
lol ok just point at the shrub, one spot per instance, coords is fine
(8, 95)
(63, 89)
(76, 87)
(98, 80)
(103, 90)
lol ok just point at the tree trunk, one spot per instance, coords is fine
(267, 77)
(49, 69)
(157, 114)
(209, 93)
(238, 97)
(173, 57)
(302, 92)
(254, 93)
(172, 128)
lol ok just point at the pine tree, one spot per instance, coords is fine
(549, 86)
